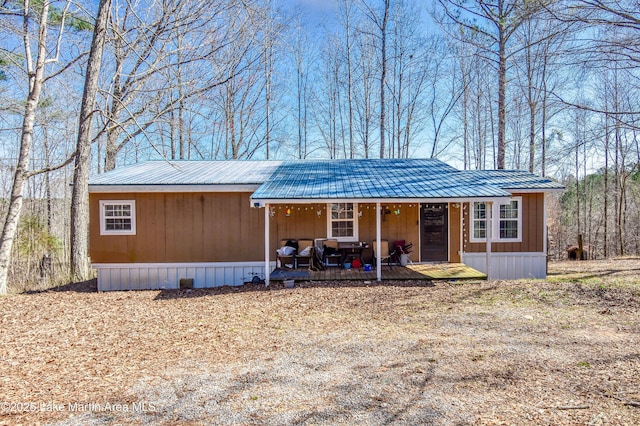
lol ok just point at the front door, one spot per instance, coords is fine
(434, 230)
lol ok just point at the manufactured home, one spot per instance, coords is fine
(221, 222)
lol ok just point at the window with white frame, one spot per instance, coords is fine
(117, 217)
(509, 220)
(479, 224)
(506, 224)
(342, 221)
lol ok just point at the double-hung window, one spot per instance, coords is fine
(509, 221)
(117, 217)
(479, 224)
(506, 223)
(342, 221)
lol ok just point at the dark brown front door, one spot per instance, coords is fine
(434, 232)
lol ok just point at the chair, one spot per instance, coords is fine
(305, 251)
(383, 253)
(286, 257)
(402, 252)
(331, 253)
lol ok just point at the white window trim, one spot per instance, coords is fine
(103, 228)
(355, 223)
(495, 223)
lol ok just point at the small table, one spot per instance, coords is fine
(350, 251)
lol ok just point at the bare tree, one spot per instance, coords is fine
(347, 21)
(495, 23)
(365, 90)
(380, 19)
(80, 192)
(35, 63)
(145, 50)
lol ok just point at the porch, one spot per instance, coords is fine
(423, 271)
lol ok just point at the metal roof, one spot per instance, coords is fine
(238, 172)
(513, 179)
(372, 179)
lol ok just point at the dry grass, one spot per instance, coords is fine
(564, 351)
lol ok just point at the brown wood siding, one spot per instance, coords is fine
(182, 227)
(393, 227)
(532, 228)
(454, 232)
(222, 227)
(304, 222)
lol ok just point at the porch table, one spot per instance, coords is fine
(350, 251)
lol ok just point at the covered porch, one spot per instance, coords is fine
(425, 271)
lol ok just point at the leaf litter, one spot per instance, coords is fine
(562, 351)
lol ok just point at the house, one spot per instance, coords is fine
(219, 222)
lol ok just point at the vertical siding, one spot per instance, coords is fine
(304, 222)
(182, 227)
(509, 266)
(532, 228)
(222, 227)
(136, 276)
(454, 232)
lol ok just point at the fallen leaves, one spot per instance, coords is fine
(522, 352)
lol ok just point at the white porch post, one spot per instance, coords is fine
(267, 268)
(461, 252)
(489, 231)
(378, 241)
(545, 237)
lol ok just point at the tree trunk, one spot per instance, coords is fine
(605, 243)
(502, 99)
(80, 191)
(383, 75)
(22, 167)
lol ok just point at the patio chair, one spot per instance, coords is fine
(305, 252)
(286, 254)
(331, 253)
(402, 252)
(382, 254)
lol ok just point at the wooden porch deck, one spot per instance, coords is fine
(425, 271)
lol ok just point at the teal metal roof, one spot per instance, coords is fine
(372, 179)
(513, 179)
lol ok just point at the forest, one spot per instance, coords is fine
(548, 86)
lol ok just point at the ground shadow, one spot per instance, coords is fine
(89, 286)
(279, 286)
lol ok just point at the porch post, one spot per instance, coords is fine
(489, 231)
(267, 268)
(545, 236)
(378, 242)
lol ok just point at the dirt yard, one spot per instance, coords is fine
(561, 352)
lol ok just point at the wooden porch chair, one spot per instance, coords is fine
(302, 258)
(382, 254)
(332, 256)
(287, 259)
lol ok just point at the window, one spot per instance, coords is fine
(508, 227)
(506, 223)
(342, 222)
(117, 217)
(479, 221)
